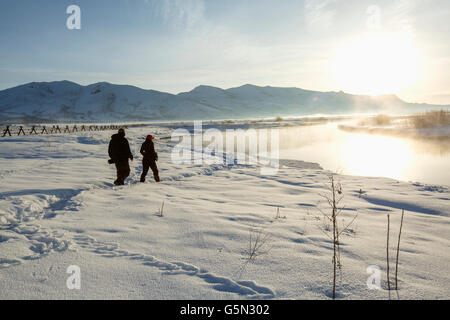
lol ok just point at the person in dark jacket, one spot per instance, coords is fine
(150, 158)
(119, 152)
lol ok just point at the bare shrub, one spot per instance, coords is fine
(332, 226)
(258, 243)
(278, 214)
(161, 210)
(387, 252)
(430, 119)
(379, 120)
(398, 250)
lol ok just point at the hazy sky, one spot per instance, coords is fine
(389, 46)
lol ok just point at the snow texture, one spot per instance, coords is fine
(58, 207)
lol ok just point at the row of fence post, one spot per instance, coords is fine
(58, 129)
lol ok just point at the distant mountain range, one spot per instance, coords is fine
(67, 101)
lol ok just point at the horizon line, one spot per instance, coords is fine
(211, 86)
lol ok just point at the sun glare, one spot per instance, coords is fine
(369, 155)
(382, 64)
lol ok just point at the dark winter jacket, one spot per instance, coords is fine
(119, 148)
(148, 150)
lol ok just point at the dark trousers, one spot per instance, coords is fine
(123, 171)
(149, 164)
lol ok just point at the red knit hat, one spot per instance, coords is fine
(150, 137)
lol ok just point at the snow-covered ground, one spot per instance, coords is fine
(58, 208)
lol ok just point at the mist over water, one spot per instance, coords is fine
(407, 159)
(417, 160)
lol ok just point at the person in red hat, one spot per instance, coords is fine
(150, 158)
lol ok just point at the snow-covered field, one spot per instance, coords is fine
(58, 208)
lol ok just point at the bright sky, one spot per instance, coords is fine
(358, 46)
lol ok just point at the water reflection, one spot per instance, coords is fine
(426, 161)
(374, 155)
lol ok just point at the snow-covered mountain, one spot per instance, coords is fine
(67, 101)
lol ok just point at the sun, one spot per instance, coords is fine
(377, 64)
